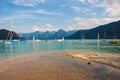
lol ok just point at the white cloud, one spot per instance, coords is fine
(28, 14)
(35, 28)
(84, 11)
(93, 1)
(83, 23)
(43, 11)
(76, 9)
(83, 1)
(28, 2)
(38, 11)
(17, 16)
(50, 27)
(89, 1)
(46, 27)
(3, 22)
(112, 7)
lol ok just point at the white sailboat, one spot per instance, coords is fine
(83, 40)
(1, 40)
(10, 37)
(59, 40)
(8, 41)
(98, 41)
(98, 38)
(35, 40)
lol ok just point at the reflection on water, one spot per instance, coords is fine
(7, 50)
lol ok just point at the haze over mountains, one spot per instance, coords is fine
(108, 31)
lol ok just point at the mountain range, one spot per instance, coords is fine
(107, 31)
(48, 34)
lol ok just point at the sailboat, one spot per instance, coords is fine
(98, 39)
(59, 40)
(35, 40)
(104, 37)
(1, 41)
(82, 40)
(10, 37)
(114, 41)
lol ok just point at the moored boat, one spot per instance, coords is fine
(114, 42)
(59, 40)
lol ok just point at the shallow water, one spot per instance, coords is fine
(52, 66)
(7, 50)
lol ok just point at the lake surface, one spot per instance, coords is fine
(7, 50)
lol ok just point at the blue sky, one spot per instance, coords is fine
(42, 15)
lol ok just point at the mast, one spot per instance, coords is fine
(11, 32)
(98, 40)
(33, 38)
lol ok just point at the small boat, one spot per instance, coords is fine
(11, 41)
(23, 41)
(7, 42)
(59, 40)
(1, 40)
(114, 42)
(37, 40)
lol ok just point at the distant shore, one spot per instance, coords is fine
(56, 66)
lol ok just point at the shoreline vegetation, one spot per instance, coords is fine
(109, 59)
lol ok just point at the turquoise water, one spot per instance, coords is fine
(7, 50)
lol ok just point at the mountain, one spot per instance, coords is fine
(59, 34)
(38, 35)
(71, 32)
(4, 34)
(47, 35)
(108, 31)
